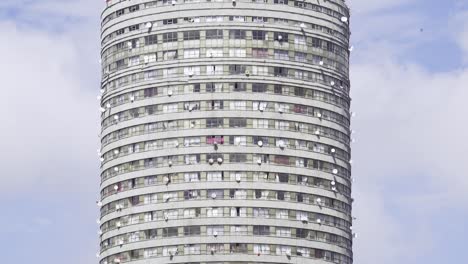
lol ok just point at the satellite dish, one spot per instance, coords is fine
(149, 25)
(190, 74)
(247, 72)
(129, 44)
(174, 2)
(121, 242)
(321, 63)
(333, 188)
(98, 221)
(317, 132)
(116, 117)
(332, 150)
(211, 161)
(335, 171)
(261, 108)
(220, 160)
(344, 19)
(332, 83)
(97, 255)
(102, 109)
(132, 98)
(108, 105)
(99, 203)
(116, 151)
(260, 143)
(280, 37)
(116, 169)
(333, 183)
(354, 235)
(280, 109)
(288, 254)
(170, 163)
(212, 250)
(302, 25)
(166, 179)
(319, 115)
(213, 195)
(118, 260)
(102, 91)
(118, 224)
(319, 221)
(169, 92)
(319, 200)
(116, 187)
(238, 178)
(350, 161)
(177, 144)
(259, 161)
(351, 48)
(215, 233)
(166, 218)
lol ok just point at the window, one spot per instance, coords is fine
(259, 35)
(281, 2)
(260, 123)
(191, 35)
(259, 53)
(283, 231)
(170, 72)
(214, 70)
(149, 58)
(280, 249)
(170, 232)
(214, 87)
(236, 34)
(192, 212)
(215, 194)
(216, 105)
(238, 158)
(170, 55)
(282, 213)
(214, 19)
(170, 21)
(151, 40)
(191, 230)
(191, 194)
(238, 105)
(259, 87)
(279, 36)
(191, 142)
(260, 19)
(264, 140)
(150, 252)
(120, 31)
(299, 40)
(214, 176)
(302, 233)
(191, 53)
(170, 108)
(214, 34)
(238, 212)
(237, 18)
(170, 37)
(134, 27)
(192, 159)
(134, 8)
(237, 122)
(192, 70)
(261, 212)
(260, 70)
(238, 194)
(261, 230)
(299, 56)
(241, 53)
(261, 249)
(281, 55)
(213, 212)
(119, 12)
(214, 122)
(237, 69)
(304, 252)
(212, 53)
(192, 249)
(169, 251)
(281, 71)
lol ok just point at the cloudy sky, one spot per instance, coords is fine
(409, 77)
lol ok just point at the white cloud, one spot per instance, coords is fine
(49, 125)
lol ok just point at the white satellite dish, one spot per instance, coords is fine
(102, 91)
(213, 195)
(351, 48)
(170, 163)
(247, 73)
(99, 203)
(319, 221)
(118, 224)
(129, 44)
(116, 151)
(116, 117)
(261, 108)
(118, 260)
(97, 255)
(321, 63)
(302, 25)
(98, 221)
(260, 143)
(116, 187)
(332, 150)
(174, 2)
(281, 144)
(121, 242)
(317, 132)
(211, 161)
(99, 232)
(332, 83)
(350, 161)
(166, 179)
(319, 200)
(215, 233)
(132, 98)
(108, 105)
(220, 160)
(344, 19)
(190, 74)
(238, 178)
(149, 25)
(177, 144)
(335, 171)
(166, 217)
(259, 161)
(102, 109)
(169, 92)
(116, 169)
(333, 183)
(319, 115)
(280, 37)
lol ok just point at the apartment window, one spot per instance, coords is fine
(169, 37)
(261, 230)
(302, 233)
(213, 212)
(237, 69)
(259, 87)
(191, 194)
(134, 8)
(259, 53)
(214, 19)
(170, 232)
(214, 70)
(149, 58)
(214, 34)
(212, 53)
(120, 32)
(238, 105)
(214, 122)
(259, 35)
(281, 71)
(237, 122)
(237, 52)
(191, 35)
(301, 57)
(260, 123)
(191, 53)
(237, 158)
(215, 230)
(316, 43)
(237, 18)
(133, 61)
(151, 39)
(283, 231)
(119, 12)
(191, 213)
(170, 21)
(236, 34)
(238, 140)
(134, 27)
(260, 19)
(217, 104)
(192, 159)
(215, 194)
(280, 36)
(261, 212)
(191, 230)
(238, 248)
(281, 55)
(281, 2)
(214, 87)
(299, 40)
(170, 55)
(264, 140)
(215, 176)
(192, 249)
(192, 141)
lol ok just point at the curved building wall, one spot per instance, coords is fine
(225, 132)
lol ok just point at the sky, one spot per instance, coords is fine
(409, 74)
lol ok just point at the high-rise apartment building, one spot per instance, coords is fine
(225, 132)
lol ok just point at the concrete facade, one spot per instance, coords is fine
(225, 132)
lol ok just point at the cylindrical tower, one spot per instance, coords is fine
(225, 132)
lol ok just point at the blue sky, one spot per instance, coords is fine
(409, 91)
